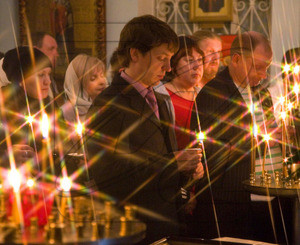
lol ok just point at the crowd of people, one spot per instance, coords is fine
(141, 131)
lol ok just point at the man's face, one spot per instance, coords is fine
(49, 48)
(212, 49)
(251, 69)
(153, 65)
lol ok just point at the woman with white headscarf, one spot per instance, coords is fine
(84, 80)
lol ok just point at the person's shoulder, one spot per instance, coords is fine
(221, 83)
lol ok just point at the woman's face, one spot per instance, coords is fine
(95, 83)
(190, 69)
(39, 81)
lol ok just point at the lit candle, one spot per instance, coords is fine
(283, 120)
(45, 128)
(296, 69)
(201, 137)
(266, 140)
(253, 138)
(15, 180)
(65, 184)
(79, 128)
(296, 92)
(31, 183)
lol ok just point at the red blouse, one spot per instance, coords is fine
(183, 111)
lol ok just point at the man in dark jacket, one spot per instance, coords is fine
(130, 144)
(223, 110)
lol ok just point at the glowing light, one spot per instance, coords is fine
(290, 106)
(201, 136)
(266, 137)
(281, 100)
(30, 183)
(296, 88)
(283, 115)
(45, 126)
(252, 108)
(296, 69)
(286, 68)
(285, 159)
(15, 179)
(29, 119)
(255, 130)
(66, 183)
(79, 128)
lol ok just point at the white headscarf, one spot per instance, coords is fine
(73, 85)
(3, 78)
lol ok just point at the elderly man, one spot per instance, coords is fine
(211, 44)
(223, 109)
(130, 143)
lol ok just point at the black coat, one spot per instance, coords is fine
(225, 119)
(131, 157)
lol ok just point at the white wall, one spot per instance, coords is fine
(285, 28)
(118, 13)
(9, 24)
(285, 35)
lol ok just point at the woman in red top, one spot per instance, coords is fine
(186, 74)
(187, 71)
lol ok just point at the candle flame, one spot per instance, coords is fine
(283, 115)
(45, 126)
(296, 69)
(66, 183)
(201, 136)
(286, 68)
(266, 137)
(281, 100)
(296, 88)
(79, 128)
(252, 108)
(15, 179)
(30, 182)
(255, 130)
(29, 119)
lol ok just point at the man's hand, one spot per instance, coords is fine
(189, 162)
(199, 172)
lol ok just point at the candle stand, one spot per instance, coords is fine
(279, 186)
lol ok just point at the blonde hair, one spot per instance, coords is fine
(84, 65)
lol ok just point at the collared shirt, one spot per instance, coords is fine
(142, 90)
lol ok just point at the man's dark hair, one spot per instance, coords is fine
(201, 35)
(248, 41)
(186, 46)
(144, 33)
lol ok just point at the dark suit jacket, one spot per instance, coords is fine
(131, 151)
(226, 120)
